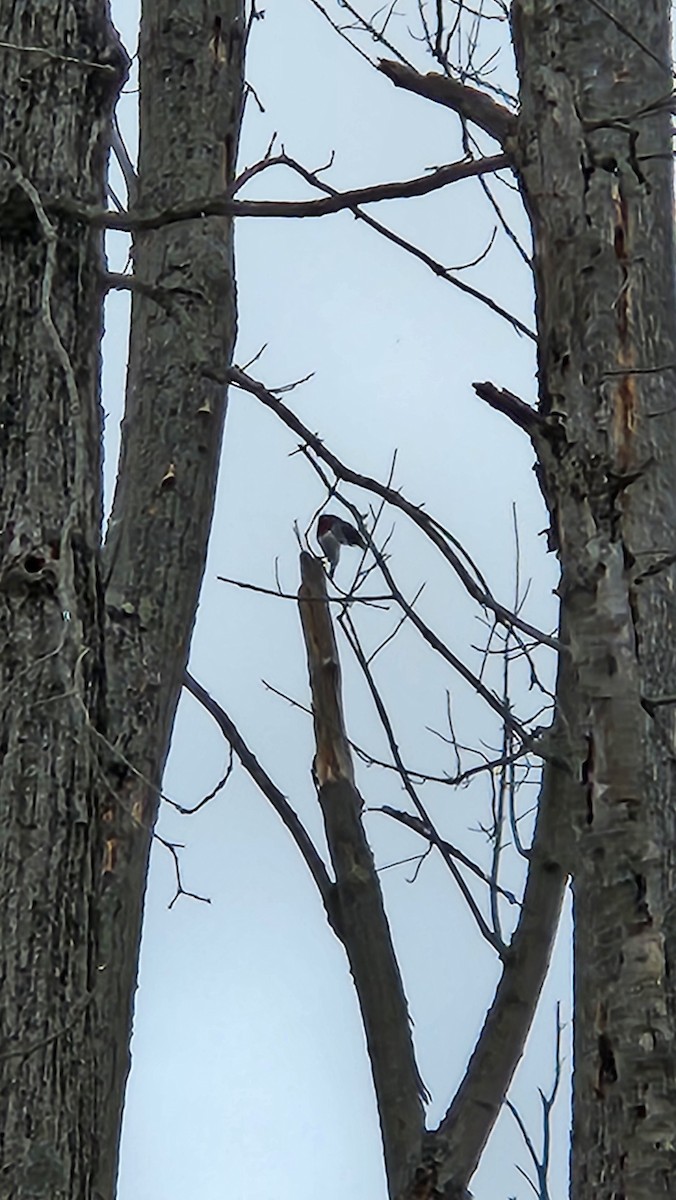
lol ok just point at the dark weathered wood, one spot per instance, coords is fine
(361, 920)
(473, 104)
(55, 122)
(598, 186)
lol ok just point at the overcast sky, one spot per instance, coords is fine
(250, 1079)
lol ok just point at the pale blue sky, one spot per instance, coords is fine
(249, 1076)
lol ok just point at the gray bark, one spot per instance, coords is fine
(594, 156)
(592, 151)
(95, 642)
(55, 125)
(191, 95)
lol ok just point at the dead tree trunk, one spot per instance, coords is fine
(594, 158)
(95, 642)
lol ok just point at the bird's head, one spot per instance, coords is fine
(331, 526)
(326, 524)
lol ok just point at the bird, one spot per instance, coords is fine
(332, 533)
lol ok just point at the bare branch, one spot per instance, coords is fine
(257, 168)
(437, 268)
(223, 205)
(427, 524)
(430, 834)
(362, 920)
(449, 858)
(466, 1126)
(521, 414)
(475, 106)
(124, 162)
(173, 848)
(278, 801)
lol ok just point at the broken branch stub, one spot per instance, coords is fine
(361, 921)
(333, 760)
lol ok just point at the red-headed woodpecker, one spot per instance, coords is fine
(332, 533)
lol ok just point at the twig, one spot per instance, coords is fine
(340, 31)
(428, 832)
(542, 1163)
(278, 801)
(64, 58)
(355, 645)
(393, 633)
(210, 795)
(429, 527)
(363, 25)
(375, 601)
(173, 848)
(223, 205)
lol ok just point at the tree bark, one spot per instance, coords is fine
(55, 127)
(95, 644)
(191, 85)
(360, 918)
(594, 158)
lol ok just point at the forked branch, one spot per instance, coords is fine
(223, 204)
